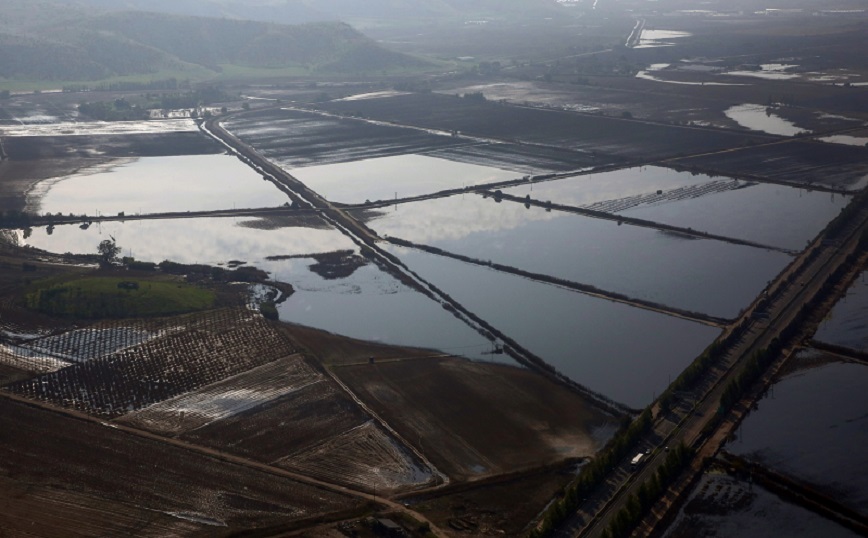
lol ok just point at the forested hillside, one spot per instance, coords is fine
(299, 11)
(51, 41)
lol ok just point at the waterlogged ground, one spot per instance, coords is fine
(768, 214)
(847, 323)
(399, 176)
(625, 353)
(156, 185)
(723, 506)
(761, 118)
(812, 426)
(367, 304)
(773, 215)
(212, 241)
(711, 277)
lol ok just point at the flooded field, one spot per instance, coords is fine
(797, 161)
(622, 352)
(213, 241)
(762, 118)
(606, 137)
(773, 215)
(659, 38)
(807, 428)
(768, 214)
(336, 301)
(847, 323)
(294, 139)
(400, 176)
(712, 277)
(724, 506)
(49, 126)
(157, 185)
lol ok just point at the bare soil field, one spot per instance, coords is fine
(288, 425)
(127, 484)
(806, 162)
(497, 506)
(493, 419)
(594, 134)
(367, 458)
(225, 399)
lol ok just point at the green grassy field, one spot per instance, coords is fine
(116, 297)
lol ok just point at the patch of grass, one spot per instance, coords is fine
(117, 297)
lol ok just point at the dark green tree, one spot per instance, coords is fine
(108, 251)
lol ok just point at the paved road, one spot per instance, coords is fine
(687, 423)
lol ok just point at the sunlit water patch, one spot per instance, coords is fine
(622, 352)
(846, 140)
(598, 191)
(360, 302)
(761, 118)
(372, 305)
(659, 38)
(847, 323)
(206, 240)
(159, 184)
(813, 425)
(700, 275)
(773, 215)
(400, 176)
(775, 71)
(100, 128)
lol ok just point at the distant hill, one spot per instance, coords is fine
(48, 40)
(301, 11)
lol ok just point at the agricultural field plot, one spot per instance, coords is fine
(493, 419)
(713, 277)
(365, 457)
(609, 137)
(218, 345)
(529, 160)
(32, 159)
(729, 507)
(400, 176)
(290, 424)
(807, 428)
(315, 429)
(227, 398)
(82, 345)
(798, 162)
(10, 374)
(728, 207)
(140, 485)
(157, 185)
(616, 350)
(296, 138)
(845, 325)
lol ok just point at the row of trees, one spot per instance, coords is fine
(639, 504)
(594, 474)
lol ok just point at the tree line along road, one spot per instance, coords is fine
(687, 421)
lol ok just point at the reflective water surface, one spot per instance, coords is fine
(159, 184)
(812, 425)
(712, 277)
(760, 118)
(402, 176)
(847, 323)
(625, 353)
(366, 304)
